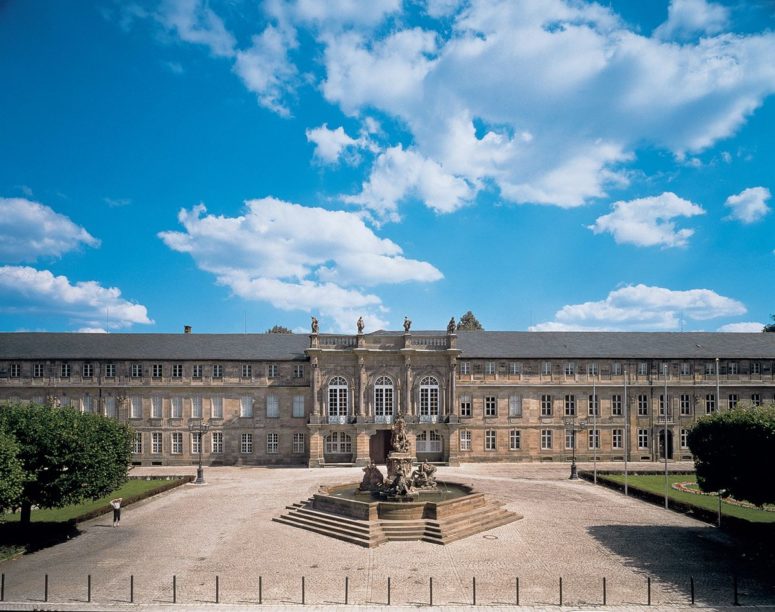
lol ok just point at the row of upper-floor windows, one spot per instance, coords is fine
(615, 368)
(87, 369)
(492, 441)
(212, 444)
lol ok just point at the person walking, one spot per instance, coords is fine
(116, 504)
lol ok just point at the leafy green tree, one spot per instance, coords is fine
(469, 322)
(11, 473)
(731, 450)
(771, 326)
(279, 329)
(66, 457)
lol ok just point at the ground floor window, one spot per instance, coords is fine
(196, 442)
(177, 442)
(246, 443)
(756, 399)
(465, 440)
(298, 443)
(546, 439)
(617, 438)
(339, 443)
(684, 438)
(710, 403)
(156, 443)
(515, 406)
(217, 441)
(733, 399)
(489, 440)
(593, 438)
(110, 407)
(137, 443)
(514, 439)
(272, 443)
(546, 405)
(428, 442)
(616, 405)
(643, 438)
(570, 439)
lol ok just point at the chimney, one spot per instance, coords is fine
(186, 329)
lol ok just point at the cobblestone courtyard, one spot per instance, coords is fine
(571, 529)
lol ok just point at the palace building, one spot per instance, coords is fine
(324, 399)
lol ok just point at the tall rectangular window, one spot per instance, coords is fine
(465, 367)
(756, 399)
(643, 368)
(686, 404)
(177, 370)
(594, 405)
(616, 368)
(514, 439)
(546, 405)
(110, 407)
(247, 370)
(298, 406)
(686, 368)
(196, 442)
(64, 370)
(546, 439)
(176, 408)
(196, 370)
(570, 439)
(217, 370)
(756, 367)
(732, 400)
(593, 438)
(136, 370)
(156, 407)
(710, 368)
(489, 439)
(216, 407)
(643, 405)
(570, 405)
(272, 407)
(515, 406)
(86, 402)
(710, 403)
(271, 370)
(465, 440)
(88, 370)
(546, 368)
(246, 443)
(196, 407)
(246, 406)
(616, 405)
(135, 407)
(217, 440)
(664, 405)
(570, 368)
(156, 443)
(643, 438)
(137, 443)
(272, 443)
(515, 368)
(298, 444)
(110, 370)
(490, 406)
(617, 438)
(592, 369)
(156, 370)
(489, 367)
(684, 438)
(465, 405)
(733, 368)
(177, 442)
(298, 371)
(37, 370)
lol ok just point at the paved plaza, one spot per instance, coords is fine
(571, 529)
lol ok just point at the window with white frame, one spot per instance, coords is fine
(489, 367)
(616, 405)
(570, 368)
(570, 439)
(217, 441)
(298, 444)
(643, 405)
(298, 371)
(246, 443)
(429, 397)
(490, 406)
(643, 438)
(383, 398)
(465, 405)
(272, 443)
(137, 443)
(686, 368)
(710, 403)
(271, 370)
(247, 370)
(135, 407)
(87, 403)
(593, 438)
(196, 407)
(88, 370)
(156, 371)
(465, 440)
(196, 442)
(156, 443)
(732, 400)
(15, 370)
(686, 404)
(756, 399)
(246, 406)
(156, 407)
(196, 370)
(756, 367)
(136, 370)
(515, 406)
(64, 370)
(216, 407)
(546, 368)
(217, 370)
(616, 368)
(176, 408)
(428, 442)
(684, 438)
(489, 440)
(177, 370)
(110, 407)
(733, 368)
(594, 405)
(177, 442)
(515, 368)
(546, 439)
(592, 369)
(546, 405)
(337, 397)
(570, 405)
(272, 407)
(465, 367)
(298, 406)
(664, 405)
(643, 368)
(515, 439)
(710, 368)
(110, 370)
(338, 443)
(37, 370)
(617, 438)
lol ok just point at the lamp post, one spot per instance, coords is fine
(199, 427)
(664, 410)
(570, 423)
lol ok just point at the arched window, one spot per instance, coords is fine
(338, 443)
(337, 399)
(383, 400)
(429, 399)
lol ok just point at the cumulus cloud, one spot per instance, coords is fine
(331, 145)
(29, 230)
(194, 22)
(335, 14)
(643, 308)
(689, 18)
(747, 327)
(298, 258)
(749, 205)
(648, 221)
(27, 290)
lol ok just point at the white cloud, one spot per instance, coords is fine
(24, 290)
(29, 230)
(335, 14)
(749, 205)
(91, 330)
(747, 327)
(330, 144)
(643, 308)
(298, 258)
(195, 22)
(689, 18)
(648, 221)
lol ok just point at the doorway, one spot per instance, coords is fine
(379, 445)
(661, 438)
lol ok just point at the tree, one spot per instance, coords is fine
(11, 473)
(469, 322)
(771, 326)
(730, 449)
(279, 329)
(65, 456)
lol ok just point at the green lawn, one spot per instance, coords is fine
(656, 484)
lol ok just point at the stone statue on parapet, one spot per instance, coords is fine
(407, 324)
(314, 325)
(360, 325)
(372, 478)
(451, 326)
(398, 440)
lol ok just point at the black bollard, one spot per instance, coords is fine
(691, 587)
(88, 588)
(260, 589)
(132, 588)
(388, 590)
(302, 590)
(2, 587)
(346, 589)
(561, 590)
(430, 581)
(648, 591)
(45, 588)
(174, 589)
(474, 585)
(517, 586)
(605, 595)
(217, 590)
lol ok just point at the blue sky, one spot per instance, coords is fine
(234, 165)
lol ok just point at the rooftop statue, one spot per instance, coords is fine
(451, 326)
(407, 324)
(314, 325)
(360, 325)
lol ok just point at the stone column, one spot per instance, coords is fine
(407, 386)
(362, 457)
(452, 446)
(315, 384)
(362, 381)
(316, 449)
(452, 389)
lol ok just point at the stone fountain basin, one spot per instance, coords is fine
(449, 499)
